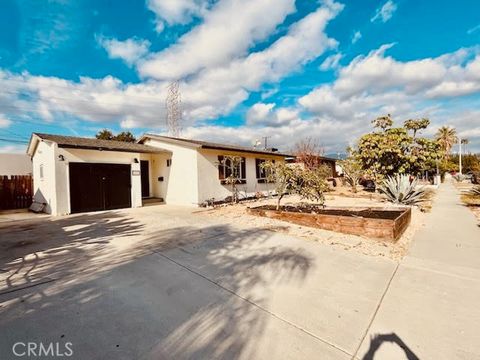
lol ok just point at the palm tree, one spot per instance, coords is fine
(446, 137)
(465, 142)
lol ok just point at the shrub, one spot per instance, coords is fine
(400, 190)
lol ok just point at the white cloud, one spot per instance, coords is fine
(130, 50)
(261, 114)
(385, 13)
(217, 40)
(4, 122)
(176, 11)
(357, 35)
(331, 62)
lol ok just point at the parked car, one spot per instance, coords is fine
(368, 185)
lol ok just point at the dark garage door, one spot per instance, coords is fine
(96, 187)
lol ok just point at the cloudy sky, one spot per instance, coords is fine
(247, 68)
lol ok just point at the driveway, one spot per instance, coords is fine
(163, 282)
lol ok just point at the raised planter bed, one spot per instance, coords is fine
(380, 223)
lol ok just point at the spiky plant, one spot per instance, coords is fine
(475, 191)
(399, 190)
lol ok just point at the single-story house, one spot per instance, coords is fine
(320, 160)
(74, 174)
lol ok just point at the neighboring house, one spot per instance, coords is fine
(73, 174)
(323, 160)
(15, 164)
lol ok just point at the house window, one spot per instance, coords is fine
(227, 169)
(169, 162)
(260, 171)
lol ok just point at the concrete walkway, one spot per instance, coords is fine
(431, 309)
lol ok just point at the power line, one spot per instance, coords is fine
(14, 141)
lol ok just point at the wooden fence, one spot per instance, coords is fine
(16, 192)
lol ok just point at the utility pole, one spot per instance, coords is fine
(173, 109)
(460, 142)
(264, 138)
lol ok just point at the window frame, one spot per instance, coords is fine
(259, 171)
(224, 169)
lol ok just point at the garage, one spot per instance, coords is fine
(95, 186)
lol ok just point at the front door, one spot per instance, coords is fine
(145, 174)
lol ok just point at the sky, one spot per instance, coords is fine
(246, 69)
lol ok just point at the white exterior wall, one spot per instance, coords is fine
(92, 156)
(180, 184)
(44, 190)
(157, 167)
(209, 184)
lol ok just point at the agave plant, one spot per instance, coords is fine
(475, 191)
(400, 190)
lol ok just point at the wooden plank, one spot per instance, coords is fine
(387, 229)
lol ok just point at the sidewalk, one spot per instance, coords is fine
(431, 308)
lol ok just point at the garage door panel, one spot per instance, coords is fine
(117, 187)
(95, 187)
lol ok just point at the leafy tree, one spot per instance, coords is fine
(416, 125)
(284, 176)
(104, 134)
(126, 136)
(353, 172)
(312, 183)
(383, 122)
(446, 137)
(470, 162)
(393, 151)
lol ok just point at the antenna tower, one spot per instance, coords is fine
(173, 106)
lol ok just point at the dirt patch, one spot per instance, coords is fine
(236, 215)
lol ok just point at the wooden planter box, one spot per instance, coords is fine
(380, 223)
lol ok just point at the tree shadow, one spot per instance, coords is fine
(377, 341)
(183, 292)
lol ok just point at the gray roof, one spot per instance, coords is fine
(98, 144)
(218, 146)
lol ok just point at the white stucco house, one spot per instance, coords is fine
(74, 174)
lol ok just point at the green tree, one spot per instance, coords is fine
(126, 136)
(311, 183)
(393, 151)
(104, 134)
(416, 125)
(383, 122)
(446, 137)
(352, 171)
(283, 176)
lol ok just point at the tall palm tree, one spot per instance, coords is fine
(446, 137)
(465, 142)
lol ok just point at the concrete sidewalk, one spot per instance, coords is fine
(431, 308)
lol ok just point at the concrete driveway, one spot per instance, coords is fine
(163, 282)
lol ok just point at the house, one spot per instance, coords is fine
(73, 174)
(15, 164)
(316, 160)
